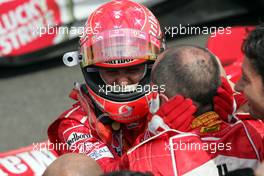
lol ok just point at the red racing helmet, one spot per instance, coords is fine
(120, 34)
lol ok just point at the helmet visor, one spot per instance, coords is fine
(119, 44)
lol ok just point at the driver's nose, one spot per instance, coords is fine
(123, 80)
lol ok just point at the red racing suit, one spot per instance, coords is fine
(73, 132)
(197, 153)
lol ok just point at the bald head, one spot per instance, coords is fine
(188, 70)
(73, 164)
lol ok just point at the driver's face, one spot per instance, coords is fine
(122, 76)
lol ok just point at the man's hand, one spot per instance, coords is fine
(227, 102)
(177, 113)
(224, 103)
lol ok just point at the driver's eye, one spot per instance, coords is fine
(111, 71)
(132, 70)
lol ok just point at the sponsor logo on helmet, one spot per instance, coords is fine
(154, 25)
(123, 61)
(125, 110)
